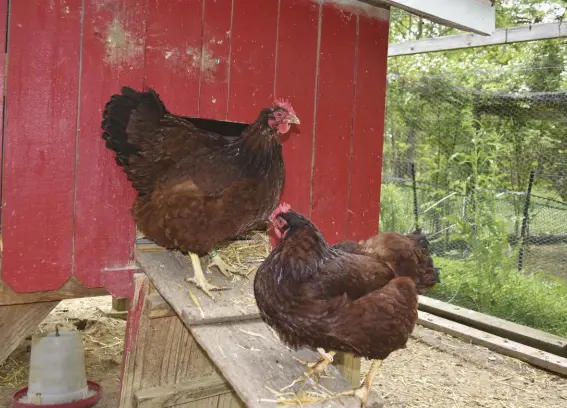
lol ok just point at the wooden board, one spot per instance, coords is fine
(333, 122)
(112, 56)
(163, 364)
(252, 58)
(168, 271)
(367, 140)
(202, 390)
(17, 322)
(217, 26)
(250, 357)
(173, 53)
(296, 77)
(71, 289)
(507, 347)
(39, 144)
(513, 331)
(478, 16)
(532, 32)
(3, 28)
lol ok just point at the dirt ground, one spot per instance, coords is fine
(435, 370)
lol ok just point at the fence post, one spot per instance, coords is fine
(525, 218)
(414, 188)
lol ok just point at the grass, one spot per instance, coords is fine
(531, 300)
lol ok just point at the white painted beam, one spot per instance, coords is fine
(477, 16)
(503, 36)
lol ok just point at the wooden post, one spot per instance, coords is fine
(349, 367)
(120, 304)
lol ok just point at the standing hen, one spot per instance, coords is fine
(323, 297)
(196, 188)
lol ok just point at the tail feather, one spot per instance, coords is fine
(128, 120)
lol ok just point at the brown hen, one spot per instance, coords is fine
(335, 297)
(196, 188)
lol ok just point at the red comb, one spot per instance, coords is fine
(280, 209)
(284, 104)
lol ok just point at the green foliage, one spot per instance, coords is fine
(462, 118)
(531, 300)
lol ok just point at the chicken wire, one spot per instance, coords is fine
(474, 138)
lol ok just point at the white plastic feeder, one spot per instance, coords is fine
(57, 368)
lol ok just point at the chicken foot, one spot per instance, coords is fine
(223, 267)
(199, 279)
(317, 369)
(363, 392)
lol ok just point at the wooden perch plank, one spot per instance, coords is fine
(513, 331)
(250, 357)
(168, 271)
(507, 347)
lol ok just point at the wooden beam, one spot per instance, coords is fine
(18, 321)
(71, 289)
(513, 331)
(502, 36)
(503, 346)
(477, 16)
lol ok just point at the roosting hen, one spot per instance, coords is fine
(323, 297)
(196, 188)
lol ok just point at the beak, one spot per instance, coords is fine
(293, 119)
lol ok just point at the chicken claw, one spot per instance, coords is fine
(317, 369)
(223, 267)
(199, 279)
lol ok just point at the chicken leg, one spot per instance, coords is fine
(316, 369)
(199, 279)
(363, 392)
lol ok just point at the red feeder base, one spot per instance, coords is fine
(84, 403)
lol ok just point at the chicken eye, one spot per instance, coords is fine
(279, 115)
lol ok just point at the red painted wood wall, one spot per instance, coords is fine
(65, 202)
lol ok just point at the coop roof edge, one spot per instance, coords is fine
(477, 16)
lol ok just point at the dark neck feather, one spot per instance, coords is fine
(259, 148)
(301, 252)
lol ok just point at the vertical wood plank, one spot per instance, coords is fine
(3, 28)
(217, 20)
(296, 74)
(333, 123)
(252, 62)
(112, 56)
(39, 142)
(368, 134)
(173, 53)
(134, 342)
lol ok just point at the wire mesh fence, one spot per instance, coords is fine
(487, 137)
(541, 247)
